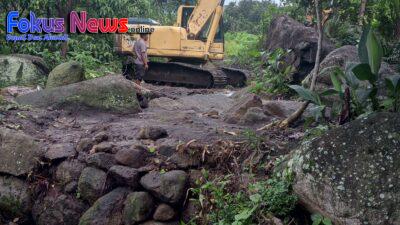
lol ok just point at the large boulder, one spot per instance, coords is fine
(281, 109)
(66, 73)
(169, 187)
(22, 70)
(19, 152)
(351, 173)
(288, 34)
(164, 212)
(107, 210)
(101, 160)
(15, 200)
(339, 58)
(110, 93)
(153, 133)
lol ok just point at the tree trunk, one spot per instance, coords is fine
(362, 12)
(299, 112)
(397, 29)
(296, 115)
(63, 11)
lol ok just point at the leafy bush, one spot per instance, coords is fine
(262, 198)
(318, 219)
(347, 84)
(249, 16)
(242, 49)
(342, 32)
(275, 75)
(253, 140)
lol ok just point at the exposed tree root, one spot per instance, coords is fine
(286, 122)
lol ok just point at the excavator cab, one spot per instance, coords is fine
(183, 17)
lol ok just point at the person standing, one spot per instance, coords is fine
(141, 61)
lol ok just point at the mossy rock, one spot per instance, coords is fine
(15, 200)
(19, 153)
(66, 73)
(92, 184)
(139, 206)
(110, 93)
(351, 174)
(22, 70)
(107, 210)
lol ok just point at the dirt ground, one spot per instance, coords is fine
(182, 112)
(186, 114)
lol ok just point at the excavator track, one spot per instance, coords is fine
(184, 74)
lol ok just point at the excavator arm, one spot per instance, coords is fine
(202, 13)
(207, 14)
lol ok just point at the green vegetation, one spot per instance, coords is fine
(254, 141)
(249, 16)
(11, 204)
(318, 219)
(348, 86)
(274, 74)
(253, 205)
(242, 49)
(94, 51)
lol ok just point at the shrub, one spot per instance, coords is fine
(242, 49)
(274, 75)
(250, 206)
(347, 84)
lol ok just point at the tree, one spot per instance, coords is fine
(296, 115)
(362, 12)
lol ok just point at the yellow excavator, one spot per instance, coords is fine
(193, 47)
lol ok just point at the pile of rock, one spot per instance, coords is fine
(146, 199)
(94, 181)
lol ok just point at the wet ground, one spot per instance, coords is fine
(186, 114)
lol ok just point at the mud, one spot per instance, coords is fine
(186, 114)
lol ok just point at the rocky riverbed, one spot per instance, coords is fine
(80, 165)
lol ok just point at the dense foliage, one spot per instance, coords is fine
(356, 98)
(255, 204)
(250, 16)
(242, 49)
(95, 51)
